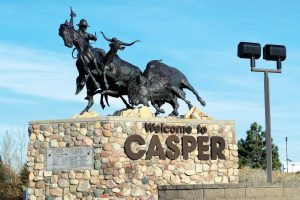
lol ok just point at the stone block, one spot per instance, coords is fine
(83, 186)
(255, 192)
(275, 192)
(57, 192)
(291, 192)
(235, 192)
(213, 193)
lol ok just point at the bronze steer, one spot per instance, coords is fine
(160, 84)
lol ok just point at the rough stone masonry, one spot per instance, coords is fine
(113, 174)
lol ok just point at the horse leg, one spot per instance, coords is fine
(85, 65)
(93, 79)
(191, 88)
(128, 106)
(102, 102)
(90, 103)
(80, 80)
(93, 58)
(106, 99)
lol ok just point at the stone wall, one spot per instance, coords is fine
(288, 191)
(114, 175)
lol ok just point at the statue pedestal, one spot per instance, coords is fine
(118, 157)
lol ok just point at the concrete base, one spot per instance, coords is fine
(288, 191)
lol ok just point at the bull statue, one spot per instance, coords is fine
(161, 84)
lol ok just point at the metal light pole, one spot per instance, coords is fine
(276, 53)
(286, 155)
(267, 119)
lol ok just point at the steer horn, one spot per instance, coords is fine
(126, 44)
(106, 38)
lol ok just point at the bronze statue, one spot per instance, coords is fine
(90, 66)
(116, 45)
(109, 75)
(161, 84)
(88, 58)
(83, 24)
(120, 73)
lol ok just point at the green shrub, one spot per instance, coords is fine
(11, 191)
(11, 183)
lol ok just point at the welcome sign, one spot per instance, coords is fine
(180, 142)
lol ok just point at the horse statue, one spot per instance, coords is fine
(90, 65)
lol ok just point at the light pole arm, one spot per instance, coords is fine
(254, 69)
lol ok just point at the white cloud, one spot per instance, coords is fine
(37, 72)
(41, 73)
(8, 100)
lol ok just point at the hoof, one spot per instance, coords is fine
(202, 103)
(161, 111)
(173, 114)
(129, 107)
(77, 91)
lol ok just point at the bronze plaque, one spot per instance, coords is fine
(70, 158)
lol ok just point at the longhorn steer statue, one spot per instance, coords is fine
(161, 84)
(116, 45)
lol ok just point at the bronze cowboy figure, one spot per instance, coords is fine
(88, 57)
(90, 66)
(83, 24)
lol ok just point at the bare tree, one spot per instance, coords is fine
(13, 149)
(7, 149)
(21, 150)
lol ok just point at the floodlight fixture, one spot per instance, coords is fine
(250, 51)
(271, 52)
(275, 53)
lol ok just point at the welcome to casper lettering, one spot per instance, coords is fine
(188, 143)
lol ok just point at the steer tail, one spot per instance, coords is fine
(187, 85)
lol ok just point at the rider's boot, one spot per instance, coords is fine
(80, 82)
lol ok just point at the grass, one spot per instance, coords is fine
(249, 175)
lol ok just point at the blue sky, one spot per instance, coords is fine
(37, 73)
